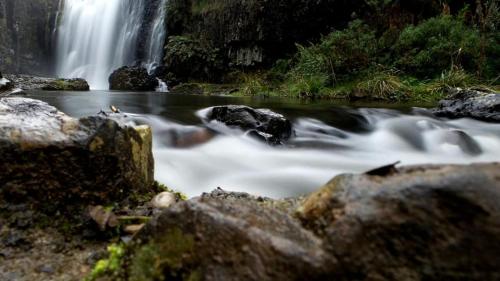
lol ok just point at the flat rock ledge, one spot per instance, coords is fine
(415, 223)
(52, 160)
(28, 82)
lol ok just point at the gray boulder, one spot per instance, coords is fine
(416, 223)
(473, 103)
(51, 160)
(263, 124)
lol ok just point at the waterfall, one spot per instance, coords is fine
(157, 37)
(95, 37)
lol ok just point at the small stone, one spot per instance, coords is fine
(164, 200)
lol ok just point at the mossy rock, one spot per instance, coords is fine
(76, 84)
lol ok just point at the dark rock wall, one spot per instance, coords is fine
(26, 43)
(255, 33)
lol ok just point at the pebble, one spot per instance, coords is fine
(164, 200)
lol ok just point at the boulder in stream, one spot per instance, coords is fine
(263, 124)
(75, 84)
(132, 78)
(473, 103)
(51, 160)
(415, 223)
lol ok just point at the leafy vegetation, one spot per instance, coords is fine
(428, 49)
(110, 265)
(417, 62)
(164, 260)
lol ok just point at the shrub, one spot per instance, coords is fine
(339, 54)
(428, 49)
(307, 86)
(253, 85)
(455, 77)
(383, 85)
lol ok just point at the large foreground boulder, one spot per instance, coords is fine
(420, 223)
(473, 103)
(50, 159)
(132, 78)
(261, 123)
(223, 236)
(416, 223)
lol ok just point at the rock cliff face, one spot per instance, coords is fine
(255, 33)
(26, 35)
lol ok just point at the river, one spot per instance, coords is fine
(330, 138)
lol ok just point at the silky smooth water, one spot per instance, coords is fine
(329, 139)
(156, 40)
(95, 37)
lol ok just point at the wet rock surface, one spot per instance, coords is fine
(28, 82)
(472, 103)
(132, 78)
(262, 124)
(414, 223)
(228, 236)
(53, 160)
(26, 37)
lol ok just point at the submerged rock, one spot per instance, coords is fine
(415, 223)
(473, 103)
(50, 159)
(263, 124)
(132, 78)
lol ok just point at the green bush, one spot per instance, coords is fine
(338, 55)
(428, 49)
(455, 77)
(382, 85)
(307, 86)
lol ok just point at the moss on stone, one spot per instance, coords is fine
(163, 259)
(110, 265)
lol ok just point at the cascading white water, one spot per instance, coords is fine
(97, 36)
(156, 38)
(237, 162)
